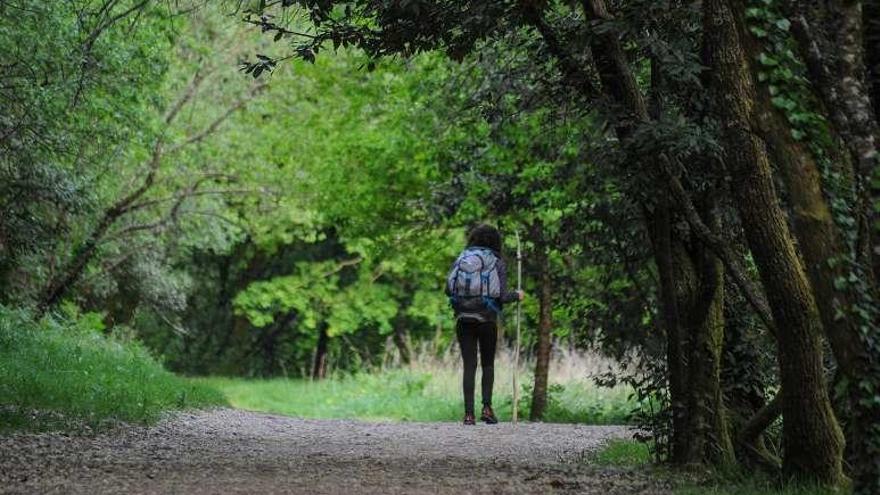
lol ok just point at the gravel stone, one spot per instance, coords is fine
(234, 451)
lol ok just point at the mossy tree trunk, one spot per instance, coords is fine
(682, 275)
(871, 20)
(707, 421)
(812, 440)
(822, 242)
(832, 37)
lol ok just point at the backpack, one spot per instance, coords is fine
(473, 281)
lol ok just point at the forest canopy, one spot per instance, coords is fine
(261, 189)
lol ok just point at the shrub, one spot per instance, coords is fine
(62, 371)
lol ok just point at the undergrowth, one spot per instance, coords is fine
(429, 390)
(633, 454)
(63, 372)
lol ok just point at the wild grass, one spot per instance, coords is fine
(430, 390)
(748, 485)
(628, 453)
(633, 454)
(63, 373)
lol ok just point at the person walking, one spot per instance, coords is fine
(477, 290)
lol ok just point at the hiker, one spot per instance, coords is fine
(477, 290)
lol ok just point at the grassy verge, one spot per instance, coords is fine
(63, 373)
(630, 454)
(751, 487)
(427, 391)
(623, 453)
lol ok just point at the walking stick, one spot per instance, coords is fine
(518, 320)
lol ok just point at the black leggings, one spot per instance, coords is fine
(469, 334)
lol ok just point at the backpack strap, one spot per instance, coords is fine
(492, 304)
(454, 278)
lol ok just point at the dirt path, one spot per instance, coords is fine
(230, 451)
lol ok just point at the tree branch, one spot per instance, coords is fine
(213, 126)
(753, 294)
(569, 66)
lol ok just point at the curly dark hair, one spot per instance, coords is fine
(486, 236)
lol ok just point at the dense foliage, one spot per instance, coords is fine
(268, 189)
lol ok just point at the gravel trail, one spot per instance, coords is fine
(233, 451)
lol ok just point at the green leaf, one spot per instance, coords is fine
(767, 60)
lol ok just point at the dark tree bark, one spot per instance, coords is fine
(676, 281)
(812, 440)
(680, 275)
(821, 241)
(73, 270)
(319, 365)
(831, 38)
(819, 238)
(871, 20)
(750, 437)
(671, 288)
(745, 389)
(401, 339)
(707, 421)
(545, 324)
(694, 323)
(269, 341)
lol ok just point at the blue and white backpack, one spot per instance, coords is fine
(473, 281)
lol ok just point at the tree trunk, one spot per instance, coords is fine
(545, 323)
(73, 270)
(694, 323)
(319, 366)
(826, 252)
(670, 295)
(871, 21)
(812, 440)
(401, 340)
(744, 389)
(680, 281)
(819, 239)
(750, 437)
(707, 422)
(831, 38)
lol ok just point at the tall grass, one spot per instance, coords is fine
(57, 373)
(430, 390)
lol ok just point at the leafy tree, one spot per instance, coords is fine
(620, 77)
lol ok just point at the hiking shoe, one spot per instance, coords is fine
(469, 419)
(488, 416)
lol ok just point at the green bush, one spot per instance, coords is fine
(63, 371)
